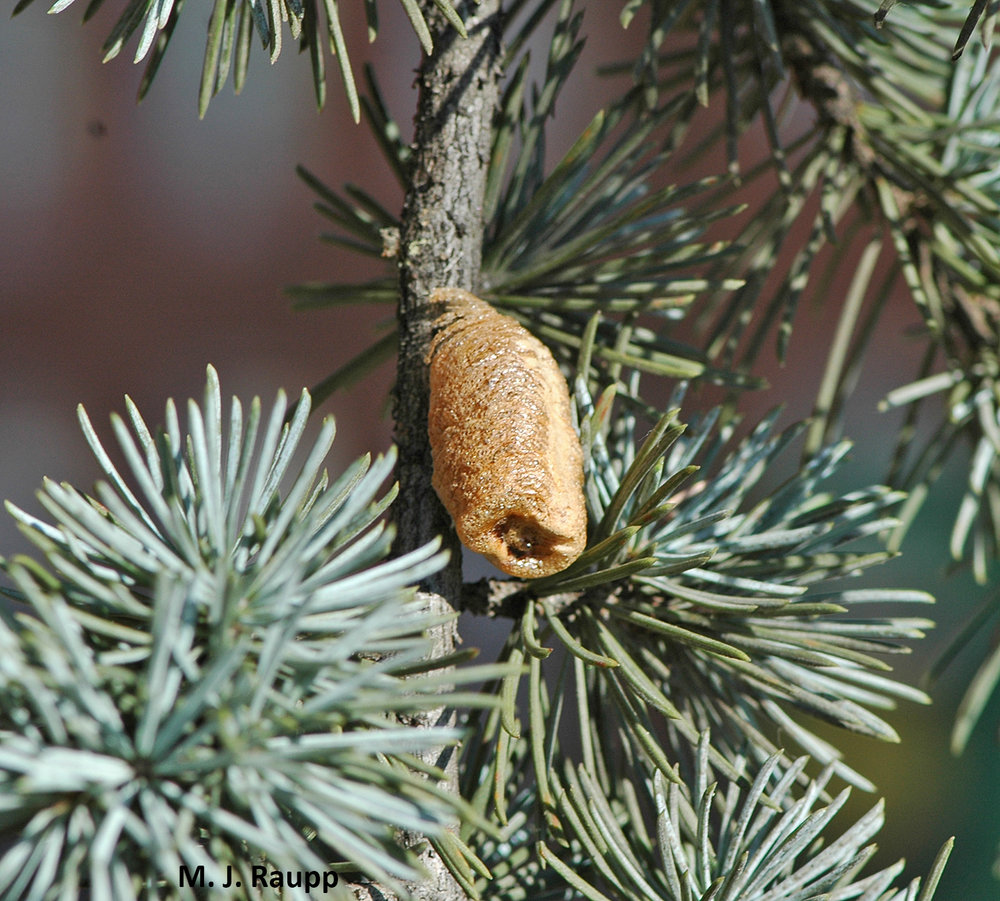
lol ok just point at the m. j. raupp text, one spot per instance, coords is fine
(261, 877)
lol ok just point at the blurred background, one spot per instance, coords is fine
(139, 244)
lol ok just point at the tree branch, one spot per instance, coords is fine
(440, 246)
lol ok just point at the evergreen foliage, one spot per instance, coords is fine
(212, 669)
(753, 836)
(220, 661)
(231, 31)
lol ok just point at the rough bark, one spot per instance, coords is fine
(440, 246)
